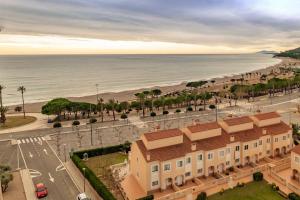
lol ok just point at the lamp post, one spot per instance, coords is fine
(83, 179)
(65, 152)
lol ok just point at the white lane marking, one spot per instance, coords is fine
(40, 140)
(60, 168)
(31, 140)
(45, 150)
(19, 141)
(35, 139)
(27, 140)
(23, 141)
(30, 155)
(43, 138)
(34, 173)
(22, 155)
(51, 178)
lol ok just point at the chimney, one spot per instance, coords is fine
(148, 157)
(193, 147)
(264, 131)
(232, 138)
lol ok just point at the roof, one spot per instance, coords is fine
(203, 127)
(269, 115)
(238, 120)
(163, 134)
(212, 143)
(296, 149)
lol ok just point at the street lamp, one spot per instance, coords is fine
(65, 152)
(83, 179)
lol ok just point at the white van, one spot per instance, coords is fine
(82, 196)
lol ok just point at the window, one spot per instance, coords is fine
(237, 160)
(268, 152)
(221, 153)
(154, 183)
(188, 160)
(260, 142)
(255, 145)
(167, 167)
(237, 148)
(210, 156)
(155, 168)
(137, 174)
(227, 163)
(246, 147)
(276, 139)
(288, 135)
(284, 137)
(200, 157)
(188, 174)
(297, 159)
(228, 150)
(200, 171)
(179, 163)
(268, 140)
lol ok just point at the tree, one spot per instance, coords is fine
(76, 123)
(18, 109)
(57, 106)
(92, 121)
(5, 177)
(124, 116)
(112, 106)
(3, 111)
(100, 106)
(141, 97)
(22, 89)
(202, 196)
(1, 105)
(57, 125)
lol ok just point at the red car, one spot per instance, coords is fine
(41, 190)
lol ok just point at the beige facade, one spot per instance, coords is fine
(164, 159)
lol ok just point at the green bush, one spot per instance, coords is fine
(212, 106)
(149, 197)
(202, 196)
(100, 188)
(189, 108)
(258, 176)
(76, 123)
(152, 114)
(103, 151)
(178, 111)
(293, 196)
(57, 125)
(165, 112)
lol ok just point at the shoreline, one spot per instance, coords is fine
(128, 95)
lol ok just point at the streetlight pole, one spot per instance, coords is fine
(83, 179)
(97, 95)
(65, 152)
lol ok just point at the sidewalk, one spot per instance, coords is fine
(28, 184)
(78, 179)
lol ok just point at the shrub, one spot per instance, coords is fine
(165, 112)
(189, 108)
(202, 196)
(201, 109)
(293, 196)
(222, 191)
(93, 120)
(18, 108)
(149, 197)
(178, 111)
(212, 106)
(231, 169)
(123, 116)
(76, 123)
(258, 176)
(152, 114)
(57, 125)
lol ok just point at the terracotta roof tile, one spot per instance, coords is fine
(203, 127)
(238, 120)
(296, 149)
(269, 115)
(163, 134)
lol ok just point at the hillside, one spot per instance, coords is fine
(295, 53)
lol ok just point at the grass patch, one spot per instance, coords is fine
(99, 164)
(260, 190)
(16, 121)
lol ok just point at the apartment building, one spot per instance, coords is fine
(295, 163)
(171, 157)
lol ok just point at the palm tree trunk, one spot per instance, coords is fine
(23, 104)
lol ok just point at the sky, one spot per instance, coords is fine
(148, 26)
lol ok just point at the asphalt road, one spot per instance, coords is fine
(45, 167)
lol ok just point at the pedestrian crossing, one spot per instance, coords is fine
(31, 140)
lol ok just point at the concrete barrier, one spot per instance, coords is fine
(1, 197)
(28, 185)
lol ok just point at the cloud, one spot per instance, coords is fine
(232, 23)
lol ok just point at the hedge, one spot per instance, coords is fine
(293, 196)
(149, 197)
(96, 183)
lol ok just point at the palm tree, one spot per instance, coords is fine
(112, 103)
(141, 97)
(100, 103)
(3, 111)
(1, 104)
(22, 89)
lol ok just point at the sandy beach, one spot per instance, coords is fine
(129, 94)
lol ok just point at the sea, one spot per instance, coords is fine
(49, 76)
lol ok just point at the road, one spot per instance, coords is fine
(45, 167)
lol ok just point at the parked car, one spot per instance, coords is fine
(82, 196)
(41, 190)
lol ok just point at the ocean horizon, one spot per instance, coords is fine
(50, 76)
